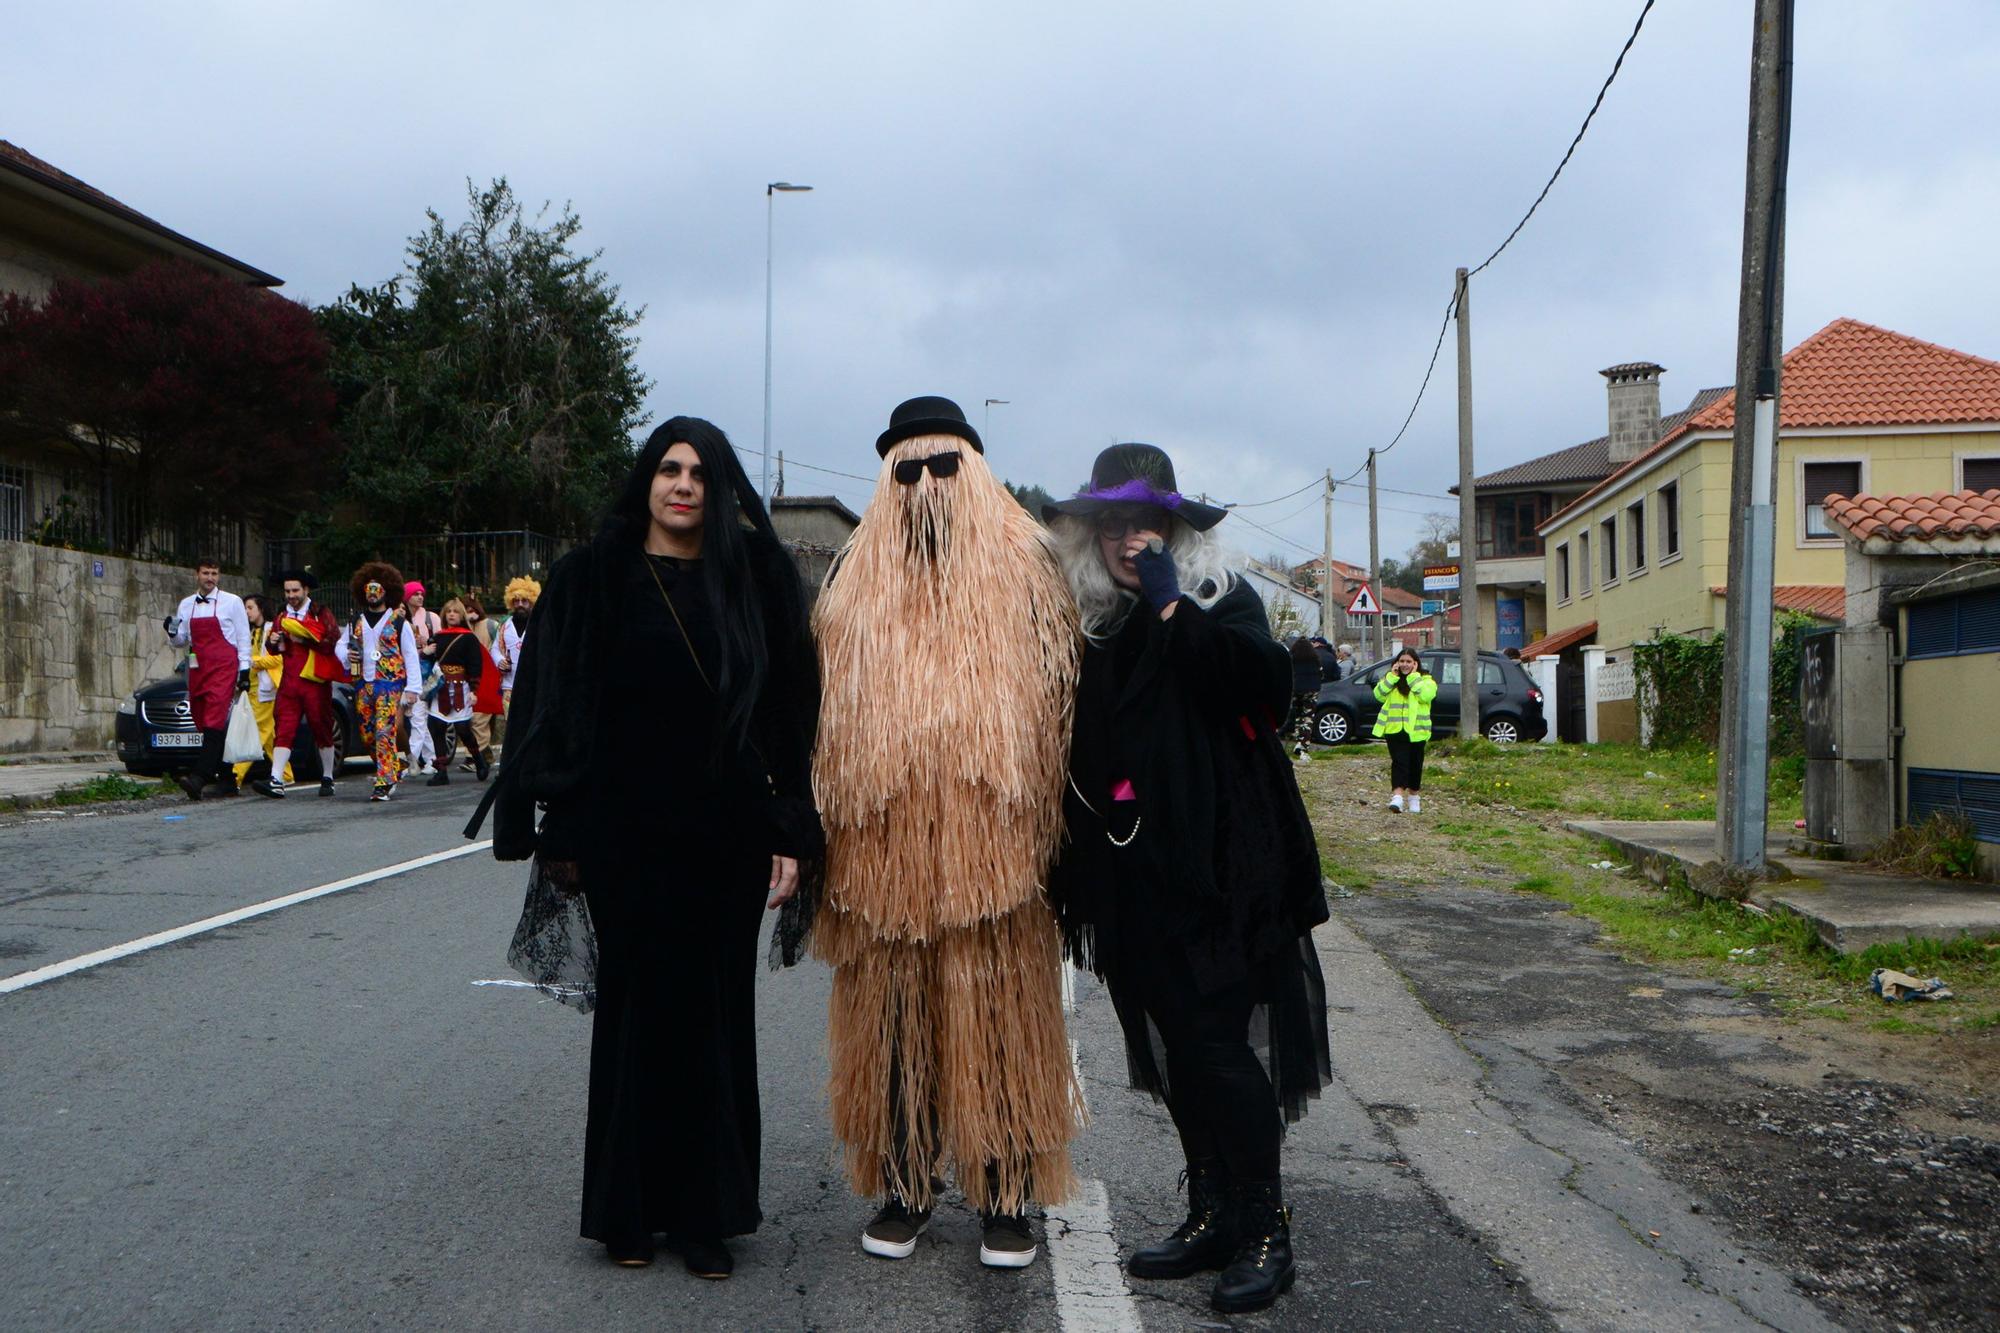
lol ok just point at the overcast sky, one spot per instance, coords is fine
(1229, 230)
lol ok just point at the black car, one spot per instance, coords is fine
(156, 733)
(1510, 702)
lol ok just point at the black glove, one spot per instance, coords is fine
(1159, 581)
(242, 681)
(167, 624)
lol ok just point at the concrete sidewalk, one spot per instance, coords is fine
(1851, 907)
(33, 776)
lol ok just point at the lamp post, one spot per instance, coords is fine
(770, 192)
(986, 419)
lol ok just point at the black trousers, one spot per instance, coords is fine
(1406, 762)
(1217, 1090)
(209, 767)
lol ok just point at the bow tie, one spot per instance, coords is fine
(199, 598)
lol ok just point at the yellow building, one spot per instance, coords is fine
(1862, 410)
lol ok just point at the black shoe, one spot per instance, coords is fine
(190, 784)
(630, 1254)
(708, 1258)
(894, 1231)
(326, 786)
(484, 768)
(441, 778)
(1203, 1243)
(271, 787)
(1006, 1240)
(1262, 1269)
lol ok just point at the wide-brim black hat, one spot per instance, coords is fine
(1135, 474)
(926, 416)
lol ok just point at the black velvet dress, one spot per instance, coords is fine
(676, 882)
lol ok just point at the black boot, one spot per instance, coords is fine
(1205, 1241)
(480, 762)
(1262, 1269)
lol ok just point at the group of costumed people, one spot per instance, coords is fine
(993, 745)
(429, 670)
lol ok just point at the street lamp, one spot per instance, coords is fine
(986, 420)
(770, 192)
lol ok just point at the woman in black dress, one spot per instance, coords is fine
(663, 720)
(1190, 881)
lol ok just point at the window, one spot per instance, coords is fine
(13, 503)
(1955, 626)
(1507, 525)
(1974, 796)
(1444, 668)
(1489, 673)
(1610, 544)
(1635, 524)
(1817, 481)
(1583, 562)
(1562, 572)
(1670, 519)
(1979, 474)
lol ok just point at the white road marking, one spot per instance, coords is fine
(23, 980)
(1091, 1295)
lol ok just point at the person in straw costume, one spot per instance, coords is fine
(948, 648)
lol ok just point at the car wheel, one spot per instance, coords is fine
(1333, 727)
(1502, 730)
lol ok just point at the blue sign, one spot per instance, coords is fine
(1433, 605)
(1512, 621)
(97, 569)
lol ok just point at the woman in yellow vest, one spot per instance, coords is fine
(1405, 693)
(267, 666)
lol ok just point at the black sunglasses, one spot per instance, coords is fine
(911, 470)
(1116, 523)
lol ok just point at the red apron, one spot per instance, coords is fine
(212, 678)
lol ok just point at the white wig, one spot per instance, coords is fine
(1205, 566)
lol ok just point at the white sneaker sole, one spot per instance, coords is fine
(1008, 1258)
(890, 1249)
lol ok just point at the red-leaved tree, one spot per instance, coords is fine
(183, 390)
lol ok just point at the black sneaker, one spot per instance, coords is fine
(326, 786)
(1008, 1242)
(441, 778)
(382, 791)
(272, 787)
(190, 784)
(893, 1234)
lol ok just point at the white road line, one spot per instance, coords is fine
(23, 980)
(1091, 1295)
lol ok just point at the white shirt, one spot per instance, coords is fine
(371, 641)
(510, 643)
(224, 607)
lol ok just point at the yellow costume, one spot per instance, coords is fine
(264, 666)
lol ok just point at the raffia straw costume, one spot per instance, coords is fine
(948, 646)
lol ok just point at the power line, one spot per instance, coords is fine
(1259, 504)
(1646, 9)
(1451, 306)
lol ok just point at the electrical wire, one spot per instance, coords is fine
(1259, 504)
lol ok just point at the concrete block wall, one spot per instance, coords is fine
(79, 632)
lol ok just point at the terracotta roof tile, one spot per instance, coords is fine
(1939, 514)
(1827, 601)
(1550, 644)
(1854, 374)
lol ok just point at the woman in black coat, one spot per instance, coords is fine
(662, 725)
(1190, 880)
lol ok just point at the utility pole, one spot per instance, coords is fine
(1326, 628)
(1742, 795)
(781, 474)
(1375, 569)
(1468, 527)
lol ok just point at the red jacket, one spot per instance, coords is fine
(311, 643)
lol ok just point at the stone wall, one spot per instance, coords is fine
(79, 632)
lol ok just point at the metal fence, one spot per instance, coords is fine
(446, 563)
(68, 508)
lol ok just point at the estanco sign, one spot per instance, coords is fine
(1441, 578)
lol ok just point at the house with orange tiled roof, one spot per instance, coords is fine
(1862, 409)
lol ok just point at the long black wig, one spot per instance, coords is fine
(749, 580)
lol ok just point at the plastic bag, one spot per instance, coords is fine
(555, 946)
(242, 743)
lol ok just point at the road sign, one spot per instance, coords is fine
(1363, 603)
(1441, 578)
(1433, 606)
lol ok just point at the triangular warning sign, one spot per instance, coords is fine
(1363, 603)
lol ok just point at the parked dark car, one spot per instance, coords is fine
(156, 733)
(1511, 703)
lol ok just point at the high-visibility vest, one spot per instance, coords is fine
(1408, 713)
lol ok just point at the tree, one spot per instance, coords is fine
(1405, 574)
(491, 384)
(1439, 532)
(1031, 498)
(179, 388)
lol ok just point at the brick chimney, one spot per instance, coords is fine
(1634, 388)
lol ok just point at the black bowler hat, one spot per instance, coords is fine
(1135, 474)
(926, 416)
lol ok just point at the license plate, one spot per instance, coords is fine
(172, 740)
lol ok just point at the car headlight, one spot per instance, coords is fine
(128, 705)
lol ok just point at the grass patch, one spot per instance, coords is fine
(1610, 781)
(104, 787)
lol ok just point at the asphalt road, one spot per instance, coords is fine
(320, 1118)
